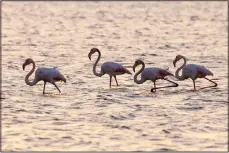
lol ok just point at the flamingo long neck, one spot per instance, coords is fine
(29, 74)
(136, 75)
(180, 77)
(94, 67)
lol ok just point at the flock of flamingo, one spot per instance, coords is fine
(191, 71)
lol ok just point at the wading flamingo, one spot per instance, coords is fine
(192, 71)
(153, 74)
(50, 75)
(110, 68)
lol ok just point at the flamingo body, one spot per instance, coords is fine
(194, 71)
(113, 68)
(48, 74)
(154, 73)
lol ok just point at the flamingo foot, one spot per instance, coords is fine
(153, 90)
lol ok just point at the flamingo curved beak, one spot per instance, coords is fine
(23, 66)
(174, 63)
(134, 66)
(89, 56)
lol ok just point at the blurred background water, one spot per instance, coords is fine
(87, 115)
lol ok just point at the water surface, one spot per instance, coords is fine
(87, 115)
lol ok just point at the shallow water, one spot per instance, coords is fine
(89, 116)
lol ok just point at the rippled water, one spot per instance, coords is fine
(87, 115)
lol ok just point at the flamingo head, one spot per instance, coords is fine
(178, 57)
(92, 51)
(137, 62)
(27, 62)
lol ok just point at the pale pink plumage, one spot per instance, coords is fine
(113, 68)
(154, 73)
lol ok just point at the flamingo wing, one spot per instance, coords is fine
(203, 71)
(122, 70)
(163, 73)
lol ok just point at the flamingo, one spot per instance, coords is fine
(110, 68)
(50, 75)
(153, 74)
(192, 71)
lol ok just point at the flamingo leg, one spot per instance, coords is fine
(215, 84)
(44, 88)
(110, 80)
(116, 80)
(56, 87)
(174, 85)
(154, 89)
(194, 85)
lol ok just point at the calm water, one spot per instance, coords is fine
(90, 116)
